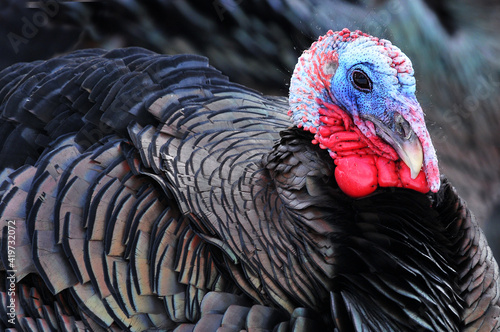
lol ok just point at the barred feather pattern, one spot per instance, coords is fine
(88, 223)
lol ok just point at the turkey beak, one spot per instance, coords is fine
(410, 151)
(404, 140)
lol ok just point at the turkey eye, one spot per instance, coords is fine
(361, 81)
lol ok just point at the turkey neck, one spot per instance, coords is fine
(370, 254)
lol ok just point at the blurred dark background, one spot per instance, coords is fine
(454, 46)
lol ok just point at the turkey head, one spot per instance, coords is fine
(356, 94)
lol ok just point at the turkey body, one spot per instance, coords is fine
(149, 192)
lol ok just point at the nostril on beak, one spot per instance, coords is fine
(403, 128)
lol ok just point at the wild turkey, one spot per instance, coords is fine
(149, 192)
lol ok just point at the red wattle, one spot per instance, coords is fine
(359, 175)
(419, 183)
(356, 175)
(387, 173)
(362, 164)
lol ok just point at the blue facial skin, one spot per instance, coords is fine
(365, 104)
(390, 91)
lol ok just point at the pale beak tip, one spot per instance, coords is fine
(414, 173)
(412, 155)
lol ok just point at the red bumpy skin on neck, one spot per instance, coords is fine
(362, 164)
